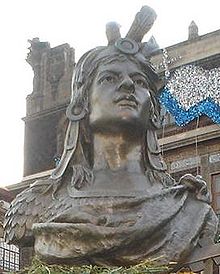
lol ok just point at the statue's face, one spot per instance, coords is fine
(119, 97)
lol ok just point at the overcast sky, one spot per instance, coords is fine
(81, 23)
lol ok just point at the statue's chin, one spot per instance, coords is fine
(130, 125)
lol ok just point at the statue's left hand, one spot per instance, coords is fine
(197, 185)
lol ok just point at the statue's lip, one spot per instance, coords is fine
(127, 101)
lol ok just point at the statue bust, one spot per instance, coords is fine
(110, 200)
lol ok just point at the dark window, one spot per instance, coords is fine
(216, 192)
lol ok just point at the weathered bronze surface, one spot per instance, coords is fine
(110, 200)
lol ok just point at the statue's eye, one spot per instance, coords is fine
(107, 79)
(141, 83)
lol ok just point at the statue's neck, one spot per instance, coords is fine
(117, 152)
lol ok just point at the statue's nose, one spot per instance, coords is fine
(127, 85)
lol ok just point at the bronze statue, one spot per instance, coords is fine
(110, 200)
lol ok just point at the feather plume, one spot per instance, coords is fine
(112, 32)
(142, 23)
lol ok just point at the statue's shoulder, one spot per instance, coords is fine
(32, 205)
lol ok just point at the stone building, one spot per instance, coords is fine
(45, 119)
(194, 148)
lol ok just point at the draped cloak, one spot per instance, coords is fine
(166, 223)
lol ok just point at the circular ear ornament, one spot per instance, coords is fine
(76, 116)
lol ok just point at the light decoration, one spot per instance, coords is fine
(192, 91)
